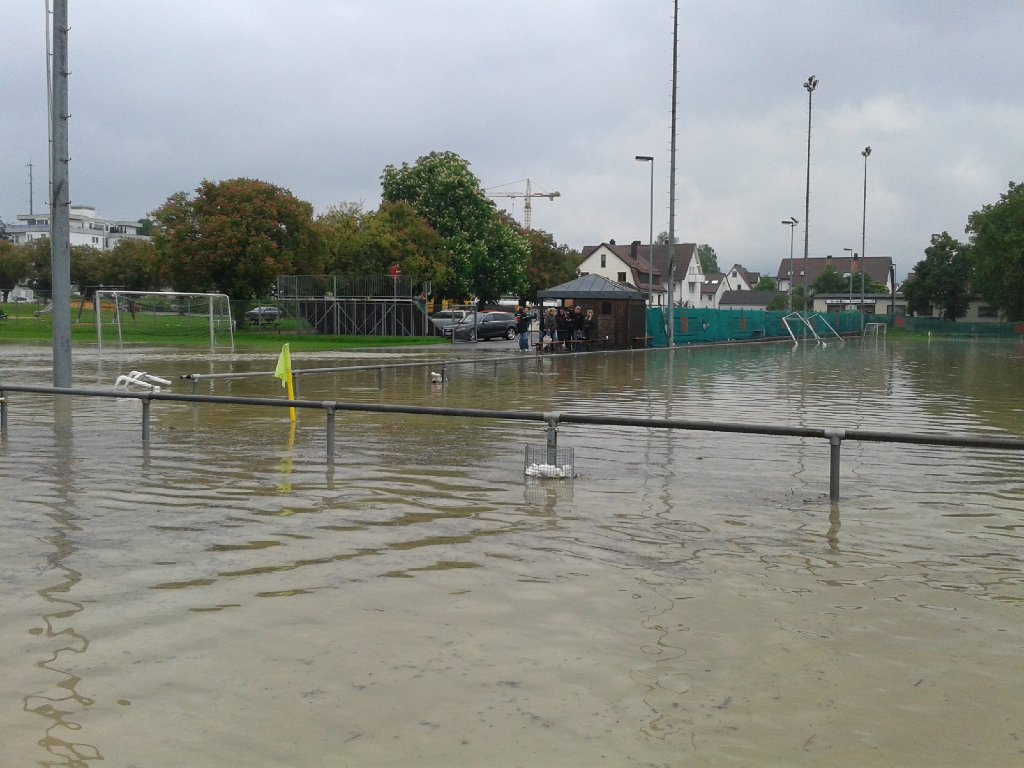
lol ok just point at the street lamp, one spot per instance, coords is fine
(865, 153)
(650, 238)
(810, 85)
(791, 222)
(853, 258)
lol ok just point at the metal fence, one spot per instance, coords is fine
(834, 436)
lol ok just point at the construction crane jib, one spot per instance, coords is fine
(528, 196)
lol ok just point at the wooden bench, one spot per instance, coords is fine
(642, 341)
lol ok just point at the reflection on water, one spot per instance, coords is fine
(225, 597)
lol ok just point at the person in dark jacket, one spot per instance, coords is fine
(550, 328)
(564, 329)
(578, 328)
(523, 321)
(590, 327)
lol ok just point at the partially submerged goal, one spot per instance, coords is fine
(146, 316)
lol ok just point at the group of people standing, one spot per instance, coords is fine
(574, 329)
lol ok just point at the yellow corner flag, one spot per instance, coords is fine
(284, 373)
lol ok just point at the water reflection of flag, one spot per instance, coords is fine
(284, 373)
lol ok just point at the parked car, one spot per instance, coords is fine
(261, 315)
(480, 326)
(448, 317)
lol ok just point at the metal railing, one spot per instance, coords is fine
(834, 436)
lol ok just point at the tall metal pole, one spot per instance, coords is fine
(60, 200)
(791, 222)
(866, 153)
(650, 236)
(810, 85)
(853, 260)
(672, 182)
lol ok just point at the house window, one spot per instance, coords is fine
(604, 260)
(988, 312)
(622, 277)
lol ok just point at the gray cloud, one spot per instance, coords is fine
(319, 96)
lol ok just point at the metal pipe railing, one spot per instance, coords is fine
(551, 421)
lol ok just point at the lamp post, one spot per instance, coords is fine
(810, 85)
(865, 153)
(650, 237)
(791, 222)
(853, 258)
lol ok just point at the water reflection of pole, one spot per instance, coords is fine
(832, 537)
(57, 710)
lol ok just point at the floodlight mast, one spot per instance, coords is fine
(810, 85)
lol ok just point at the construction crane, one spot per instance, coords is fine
(528, 195)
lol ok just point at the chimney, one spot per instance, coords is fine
(611, 242)
(829, 256)
(634, 247)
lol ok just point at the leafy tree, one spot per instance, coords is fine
(358, 242)
(765, 284)
(829, 281)
(549, 263)
(779, 303)
(40, 276)
(15, 265)
(997, 244)
(235, 237)
(484, 256)
(708, 258)
(131, 264)
(943, 279)
(86, 266)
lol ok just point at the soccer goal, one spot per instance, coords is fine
(139, 317)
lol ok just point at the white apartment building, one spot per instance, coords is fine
(86, 228)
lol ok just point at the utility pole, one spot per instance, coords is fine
(30, 200)
(672, 183)
(60, 199)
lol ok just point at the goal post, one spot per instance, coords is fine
(147, 316)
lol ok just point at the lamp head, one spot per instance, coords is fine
(811, 84)
(645, 158)
(867, 152)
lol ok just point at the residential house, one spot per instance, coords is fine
(86, 228)
(753, 300)
(717, 284)
(876, 268)
(631, 265)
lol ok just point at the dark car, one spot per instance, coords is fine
(480, 326)
(261, 315)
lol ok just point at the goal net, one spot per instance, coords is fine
(139, 317)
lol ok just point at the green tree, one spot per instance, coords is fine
(235, 237)
(15, 265)
(829, 281)
(40, 276)
(549, 263)
(131, 264)
(485, 257)
(780, 301)
(943, 279)
(358, 242)
(765, 284)
(708, 258)
(997, 245)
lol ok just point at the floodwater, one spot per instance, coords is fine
(225, 597)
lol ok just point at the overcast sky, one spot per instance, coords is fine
(318, 96)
